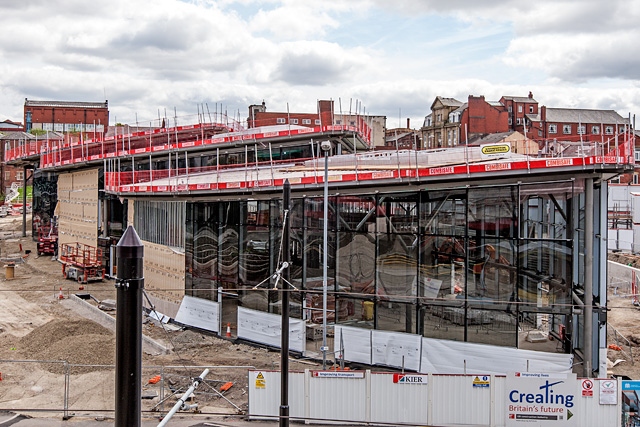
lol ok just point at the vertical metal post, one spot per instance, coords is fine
(284, 349)
(24, 202)
(129, 286)
(588, 278)
(325, 237)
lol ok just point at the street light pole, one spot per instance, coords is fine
(326, 147)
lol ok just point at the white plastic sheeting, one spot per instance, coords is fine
(428, 355)
(378, 398)
(357, 344)
(258, 326)
(396, 349)
(200, 313)
(454, 357)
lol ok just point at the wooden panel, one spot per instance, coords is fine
(78, 207)
(163, 272)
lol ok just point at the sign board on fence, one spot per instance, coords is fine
(410, 379)
(608, 392)
(260, 381)
(337, 374)
(539, 399)
(481, 381)
(587, 388)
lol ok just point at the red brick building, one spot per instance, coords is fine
(518, 108)
(259, 116)
(482, 118)
(575, 124)
(61, 116)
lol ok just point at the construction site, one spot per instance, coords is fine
(57, 347)
(491, 250)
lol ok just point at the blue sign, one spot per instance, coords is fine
(630, 385)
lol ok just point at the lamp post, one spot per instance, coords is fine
(326, 147)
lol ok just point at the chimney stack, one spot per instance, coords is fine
(408, 123)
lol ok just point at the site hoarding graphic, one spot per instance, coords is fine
(540, 399)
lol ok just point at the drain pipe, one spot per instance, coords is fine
(180, 404)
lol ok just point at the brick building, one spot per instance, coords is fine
(62, 116)
(438, 129)
(482, 117)
(372, 126)
(259, 116)
(518, 107)
(575, 124)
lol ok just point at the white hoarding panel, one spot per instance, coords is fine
(636, 239)
(399, 398)
(258, 326)
(338, 398)
(396, 349)
(612, 239)
(200, 313)
(264, 394)
(454, 357)
(625, 240)
(456, 401)
(635, 207)
(356, 341)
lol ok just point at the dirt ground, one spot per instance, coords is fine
(36, 324)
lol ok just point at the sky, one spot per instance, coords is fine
(381, 57)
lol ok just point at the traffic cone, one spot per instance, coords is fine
(60, 295)
(228, 330)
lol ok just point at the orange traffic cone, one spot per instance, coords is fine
(60, 295)
(228, 330)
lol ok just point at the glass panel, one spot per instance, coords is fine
(545, 274)
(394, 316)
(204, 259)
(356, 263)
(443, 322)
(494, 327)
(396, 266)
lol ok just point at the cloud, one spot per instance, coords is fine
(317, 63)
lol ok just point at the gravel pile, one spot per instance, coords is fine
(75, 341)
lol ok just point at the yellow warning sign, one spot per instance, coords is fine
(481, 381)
(495, 149)
(260, 381)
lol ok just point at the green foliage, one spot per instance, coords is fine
(38, 132)
(29, 194)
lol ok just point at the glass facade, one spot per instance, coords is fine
(473, 264)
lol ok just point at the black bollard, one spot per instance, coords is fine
(129, 286)
(284, 347)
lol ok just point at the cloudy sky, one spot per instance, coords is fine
(385, 57)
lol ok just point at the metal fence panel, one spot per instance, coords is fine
(264, 394)
(333, 398)
(459, 401)
(395, 401)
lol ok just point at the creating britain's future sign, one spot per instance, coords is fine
(540, 399)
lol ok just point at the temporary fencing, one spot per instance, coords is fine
(66, 389)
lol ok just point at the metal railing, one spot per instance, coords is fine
(60, 387)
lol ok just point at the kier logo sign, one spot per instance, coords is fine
(410, 379)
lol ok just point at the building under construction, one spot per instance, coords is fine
(472, 244)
